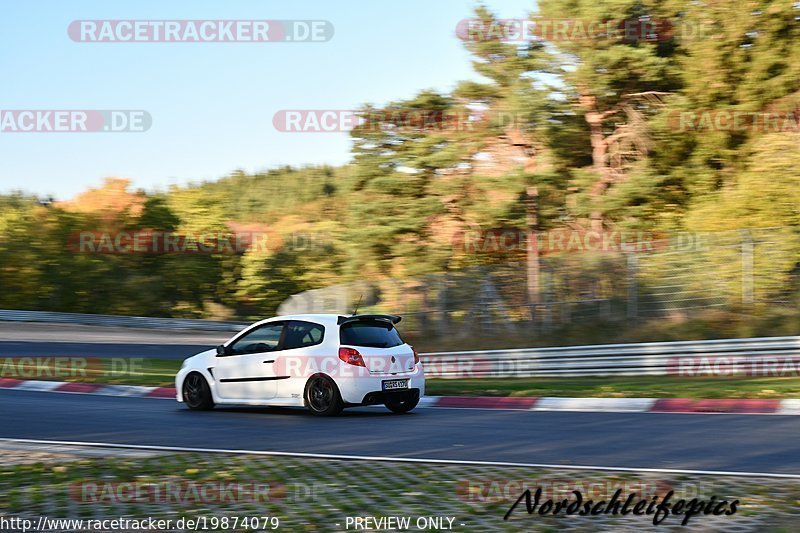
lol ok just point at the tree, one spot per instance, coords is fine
(616, 82)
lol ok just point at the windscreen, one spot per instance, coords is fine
(371, 333)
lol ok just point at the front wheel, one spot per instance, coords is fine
(402, 406)
(197, 393)
(322, 396)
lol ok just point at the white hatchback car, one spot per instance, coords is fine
(324, 362)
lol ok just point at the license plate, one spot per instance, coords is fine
(395, 384)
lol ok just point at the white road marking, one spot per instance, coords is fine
(38, 386)
(124, 390)
(789, 407)
(610, 405)
(402, 459)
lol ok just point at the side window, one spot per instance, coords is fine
(302, 334)
(264, 339)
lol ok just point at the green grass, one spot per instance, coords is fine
(161, 372)
(151, 372)
(620, 387)
(117, 371)
(307, 494)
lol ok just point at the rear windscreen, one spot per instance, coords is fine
(371, 333)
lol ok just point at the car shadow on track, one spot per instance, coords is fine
(359, 412)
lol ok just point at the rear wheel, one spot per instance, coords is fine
(322, 396)
(402, 405)
(197, 393)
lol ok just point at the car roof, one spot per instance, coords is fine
(326, 319)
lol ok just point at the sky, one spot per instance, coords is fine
(212, 104)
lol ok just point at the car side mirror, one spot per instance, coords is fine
(223, 350)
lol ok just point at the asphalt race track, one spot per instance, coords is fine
(740, 443)
(82, 349)
(718, 442)
(24, 339)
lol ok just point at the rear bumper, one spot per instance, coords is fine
(380, 397)
(359, 391)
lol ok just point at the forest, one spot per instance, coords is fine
(690, 127)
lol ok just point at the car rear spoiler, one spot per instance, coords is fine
(394, 319)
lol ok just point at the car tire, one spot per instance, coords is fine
(322, 396)
(196, 392)
(402, 406)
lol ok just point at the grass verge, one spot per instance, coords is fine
(319, 495)
(620, 387)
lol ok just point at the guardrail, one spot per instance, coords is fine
(758, 356)
(118, 321)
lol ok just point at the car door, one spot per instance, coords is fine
(246, 372)
(301, 350)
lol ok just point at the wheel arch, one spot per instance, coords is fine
(207, 374)
(335, 407)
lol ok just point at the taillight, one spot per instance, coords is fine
(351, 357)
(416, 355)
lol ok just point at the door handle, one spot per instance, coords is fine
(269, 361)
